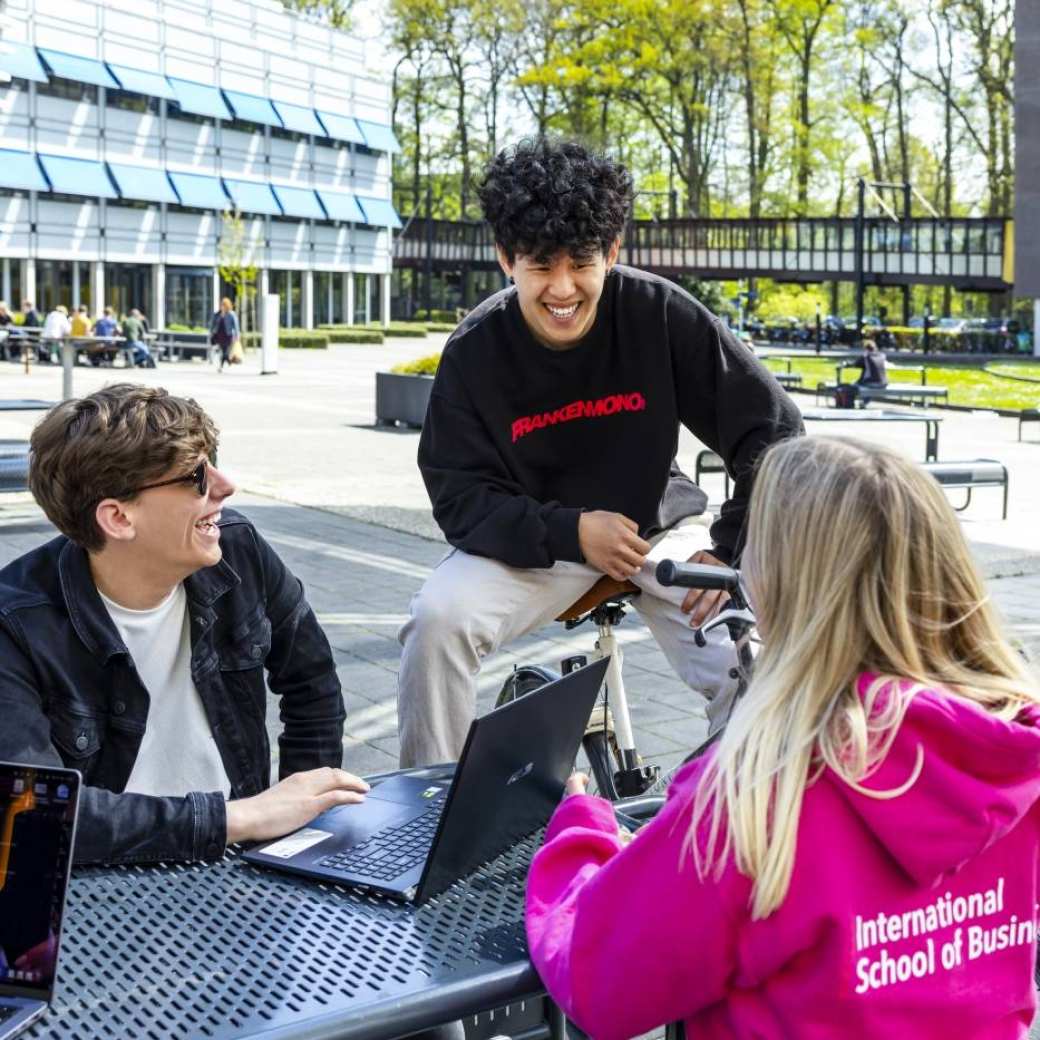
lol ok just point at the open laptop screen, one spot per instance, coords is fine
(37, 831)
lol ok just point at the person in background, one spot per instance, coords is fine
(133, 330)
(874, 366)
(56, 329)
(30, 316)
(80, 322)
(857, 856)
(6, 327)
(224, 331)
(105, 326)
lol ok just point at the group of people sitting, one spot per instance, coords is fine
(856, 856)
(59, 325)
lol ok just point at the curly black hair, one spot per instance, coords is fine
(544, 195)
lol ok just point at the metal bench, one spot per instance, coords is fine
(1027, 415)
(182, 346)
(14, 466)
(970, 475)
(894, 392)
(788, 378)
(709, 462)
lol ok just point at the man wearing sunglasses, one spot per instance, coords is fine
(133, 646)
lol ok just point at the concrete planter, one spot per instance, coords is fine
(402, 398)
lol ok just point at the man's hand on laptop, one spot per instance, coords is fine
(703, 604)
(610, 542)
(292, 803)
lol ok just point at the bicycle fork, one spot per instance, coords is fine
(632, 777)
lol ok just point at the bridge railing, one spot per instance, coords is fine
(969, 250)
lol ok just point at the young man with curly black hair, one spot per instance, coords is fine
(549, 446)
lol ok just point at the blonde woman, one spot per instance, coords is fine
(858, 857)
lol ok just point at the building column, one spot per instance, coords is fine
(1036, 328)
(385, 300)
(157, 316)
(28, 283)
(75, 285)
(97, 285)
(368, 298)
(307, 298)
(5, 285)
(348, 297)
(216, 291)
(264, 282)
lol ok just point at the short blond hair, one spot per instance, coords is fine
(107, 444)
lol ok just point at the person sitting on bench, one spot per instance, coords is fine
(874, 375)
(549, 444)
(857, 855)
(133, 646)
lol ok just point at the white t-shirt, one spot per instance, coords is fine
(178, 753)
(56, 326)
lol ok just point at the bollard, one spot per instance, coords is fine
(68, 359)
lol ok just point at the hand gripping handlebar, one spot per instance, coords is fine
(698, 576)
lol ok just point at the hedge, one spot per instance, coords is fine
(349, 335)
(446, 316)
(292, 339)
(406, 329)
(440, 326)
(424, 366)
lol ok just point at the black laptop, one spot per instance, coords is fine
(413, 836)
(37, 832)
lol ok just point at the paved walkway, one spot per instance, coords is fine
(343, 503)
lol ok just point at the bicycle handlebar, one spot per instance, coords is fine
(698, 576)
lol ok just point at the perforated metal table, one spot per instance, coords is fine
(231, 950)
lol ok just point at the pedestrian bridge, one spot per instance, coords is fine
(972, 254)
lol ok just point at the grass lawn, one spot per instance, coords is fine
(967, 385)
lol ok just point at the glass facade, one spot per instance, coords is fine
(330, 307)
(289, 286)
(62, 281)
(128, 286)
(189, 296)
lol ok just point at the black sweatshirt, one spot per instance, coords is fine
(519, 439)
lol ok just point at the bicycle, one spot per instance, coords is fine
(617, 768)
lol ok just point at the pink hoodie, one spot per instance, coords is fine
(912, 917)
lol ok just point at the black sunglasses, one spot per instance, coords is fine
(198, 476)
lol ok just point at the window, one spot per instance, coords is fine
(131, 102)
(69, 89)
(189, 296)
(178, 113)
(287, 135)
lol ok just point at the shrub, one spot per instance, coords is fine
(408, 329)
(446, 316)
(424, 366)
(178, 327)
(440, 326)
(349, 335)
(310, 341)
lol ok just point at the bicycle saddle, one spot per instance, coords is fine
(603, 591)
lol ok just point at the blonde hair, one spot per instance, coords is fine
(855, 562)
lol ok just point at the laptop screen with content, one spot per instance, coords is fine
(37, 830)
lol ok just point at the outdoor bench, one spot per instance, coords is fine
(901, 392)
(788, 378)
(1027, 415)
(970, 475)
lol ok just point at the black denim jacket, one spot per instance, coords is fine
(70, 693)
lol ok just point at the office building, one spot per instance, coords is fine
(144, 144)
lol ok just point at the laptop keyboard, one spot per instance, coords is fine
(393, 851)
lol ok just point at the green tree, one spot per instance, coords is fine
(235, 261)
(335, 12)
